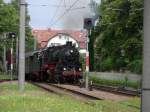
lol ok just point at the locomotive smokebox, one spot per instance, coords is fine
(69, 43)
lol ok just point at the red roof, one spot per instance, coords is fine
(44, 35)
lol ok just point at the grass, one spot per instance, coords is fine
(119, 83)
(123, 106)
(36, 100)
(6, 76)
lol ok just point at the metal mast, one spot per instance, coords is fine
(22, 46)
(146, 64)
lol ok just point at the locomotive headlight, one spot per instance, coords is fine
(71, 51)
(80, 69)
(65, 69)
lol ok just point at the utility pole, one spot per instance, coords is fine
(146, 63)
(22, 46)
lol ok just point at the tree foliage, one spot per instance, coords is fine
(9, 22)
(119, 35)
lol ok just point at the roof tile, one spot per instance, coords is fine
(44, 35)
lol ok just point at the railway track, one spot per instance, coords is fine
(55, 88)
(80, 93)
(116, 90)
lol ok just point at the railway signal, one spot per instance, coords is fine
(88, 24)
(12, 36)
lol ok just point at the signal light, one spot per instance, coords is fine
(11, 35)
(88, 23)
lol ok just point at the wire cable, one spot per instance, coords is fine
(55, 13)
(65, 3)
(47, 5)
(66, 11)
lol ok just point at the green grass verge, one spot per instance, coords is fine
(132, 105)
(118, 83)
(37, 100)
(5, 76)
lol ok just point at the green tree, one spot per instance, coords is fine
(9, 22)
(119, 33)
(29, 44)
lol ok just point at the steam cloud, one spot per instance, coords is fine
(74, 18)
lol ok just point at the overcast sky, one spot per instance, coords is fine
(48, 13)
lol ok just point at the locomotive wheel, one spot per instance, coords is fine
(45, 76)
(76, 80)
(58, 71)
(57, 78)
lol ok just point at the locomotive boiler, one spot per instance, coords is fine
(54, 64)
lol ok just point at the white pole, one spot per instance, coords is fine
(87, 64)
(146, 60)
(35, 44)
(4, 54)
(22, 46)
(17, 56)
(11, 66)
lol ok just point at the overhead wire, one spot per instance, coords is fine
(65, 3)
(78, 8)
(55, 13)
(72, 18)
(51, 5)
(47, 5)
(60, 6)
(66, 11)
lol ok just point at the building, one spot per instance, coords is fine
(54, 37)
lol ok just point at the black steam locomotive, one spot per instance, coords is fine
(54, 64)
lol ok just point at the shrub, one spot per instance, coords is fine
(97, 65)
(116, 83)
(107, 64)
(136, 66)
(119, 63)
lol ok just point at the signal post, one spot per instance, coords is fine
(88, 24)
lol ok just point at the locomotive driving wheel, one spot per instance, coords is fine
(58, 73)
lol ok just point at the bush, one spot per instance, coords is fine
(97, 66)
(107, 64)
(116, 83)
(120, 63)
(136, 66)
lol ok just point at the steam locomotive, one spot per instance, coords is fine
(54, 64)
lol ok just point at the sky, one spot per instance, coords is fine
(50, 13)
